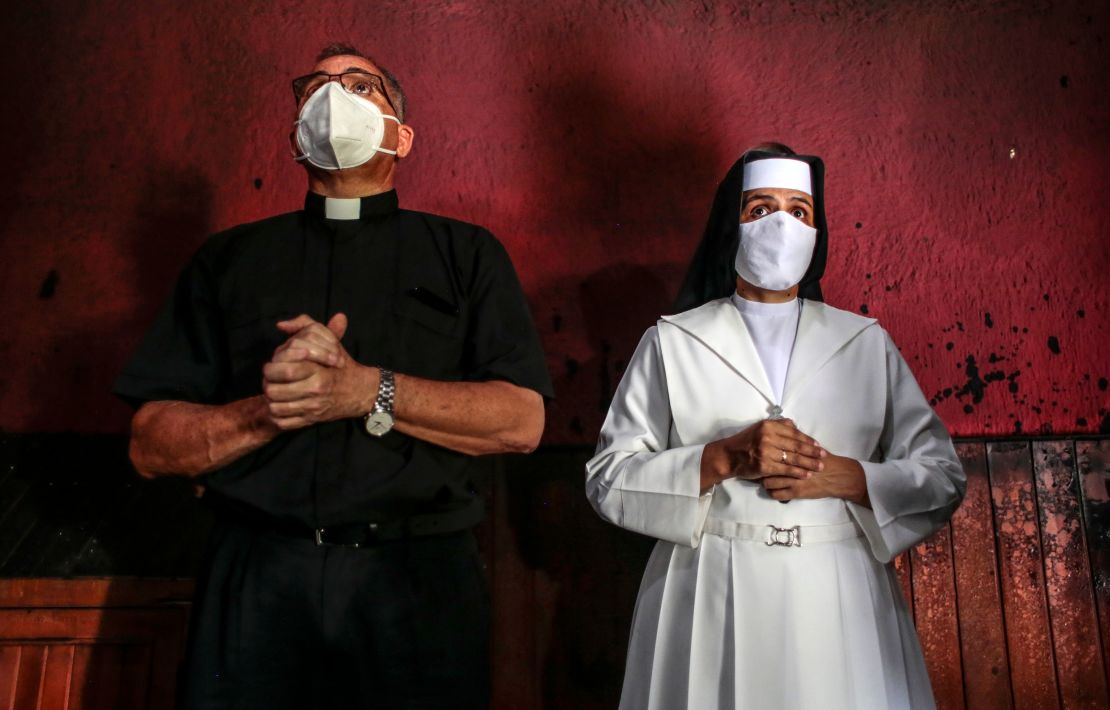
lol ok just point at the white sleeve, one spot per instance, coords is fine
(634, 480)
(919, 482)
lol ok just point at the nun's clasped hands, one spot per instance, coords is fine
(769, 448)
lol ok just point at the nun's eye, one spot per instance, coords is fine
(798, 213)
(760, 211)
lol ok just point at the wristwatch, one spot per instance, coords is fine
(379, 420)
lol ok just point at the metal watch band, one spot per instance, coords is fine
(386, 389)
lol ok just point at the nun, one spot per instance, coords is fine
(782, 454)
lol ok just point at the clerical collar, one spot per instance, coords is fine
(350, 208)
(756, 308)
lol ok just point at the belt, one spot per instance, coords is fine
(772, 535)
(344, 535)
(363, 534)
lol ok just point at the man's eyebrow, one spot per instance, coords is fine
(803, 201)
(364, 70)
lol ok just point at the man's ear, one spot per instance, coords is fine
(405, 136)
(293, 141)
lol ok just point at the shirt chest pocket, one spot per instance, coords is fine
(430, 331)
(252, 337)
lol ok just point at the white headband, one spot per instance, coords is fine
(778, 172)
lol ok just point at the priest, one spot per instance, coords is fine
(328, 375)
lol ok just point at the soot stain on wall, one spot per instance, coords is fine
(976, 384)
(979, 372)
(570, 366)
(49, 285)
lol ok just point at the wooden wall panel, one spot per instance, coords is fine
(1093, 466)
(57, 676)
(120, 655)
(986, 668)
(902, 569)
(28, 681)
(934, 606)
(82, 675)
(9, 672)
(1076, 646)
(1028, 638)
(104, 677)
(136, 663)
(83, 691)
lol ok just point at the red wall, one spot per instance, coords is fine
(967, 149)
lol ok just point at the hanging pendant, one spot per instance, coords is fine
(775, 412)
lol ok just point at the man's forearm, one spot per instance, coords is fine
(184, 439)
(312, 379)
(472, 417)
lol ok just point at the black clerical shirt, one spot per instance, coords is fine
(424, 296)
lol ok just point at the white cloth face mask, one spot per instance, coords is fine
(775, 251)
(337, 130)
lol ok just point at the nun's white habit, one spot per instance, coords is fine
(817, 620)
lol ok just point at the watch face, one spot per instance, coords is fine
(378, 423)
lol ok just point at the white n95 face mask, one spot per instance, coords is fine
(337, 129)
(775, 251)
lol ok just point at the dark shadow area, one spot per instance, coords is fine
(74, 506)
(619, 172)
(618, 304)
(172, 218)
(71, 506)
(594, 567)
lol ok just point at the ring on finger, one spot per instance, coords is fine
(784, 455)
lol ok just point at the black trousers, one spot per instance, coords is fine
(281, 623)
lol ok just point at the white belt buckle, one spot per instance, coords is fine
(786, 537)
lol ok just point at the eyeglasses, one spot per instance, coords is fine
(360, 83)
